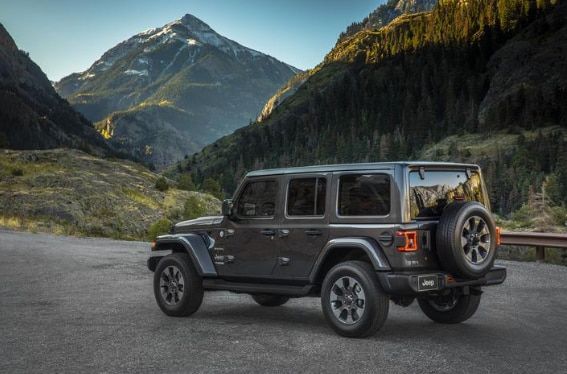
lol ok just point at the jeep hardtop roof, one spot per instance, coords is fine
(358, 166)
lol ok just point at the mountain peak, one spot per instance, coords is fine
(168, 91)
(194, 23)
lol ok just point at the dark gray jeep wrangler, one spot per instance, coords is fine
(356, 235)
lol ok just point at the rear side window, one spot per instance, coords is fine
(306, 197)
(364, 195)
(430, 195)
(258, 200)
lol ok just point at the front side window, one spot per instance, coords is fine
(431, 192)
(364, 195)
(306, 197)
(258, 200)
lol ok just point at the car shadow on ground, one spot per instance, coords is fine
(400, 324)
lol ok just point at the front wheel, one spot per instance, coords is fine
(178, 289)
(353, 301)
(451, 308)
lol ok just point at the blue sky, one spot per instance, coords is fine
(66, 36)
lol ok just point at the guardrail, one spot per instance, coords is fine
(539, 240)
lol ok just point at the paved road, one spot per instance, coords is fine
(86, 305)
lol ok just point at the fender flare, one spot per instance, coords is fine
(195, 247)
(369, 246)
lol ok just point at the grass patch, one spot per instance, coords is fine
(158, 228)
(140, 198)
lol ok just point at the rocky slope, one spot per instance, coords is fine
(478, 67)
(386, 13)
(70, 192)
(167, 92)
(32, 115)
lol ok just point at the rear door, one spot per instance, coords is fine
(304, 230)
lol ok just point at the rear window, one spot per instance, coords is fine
(430, 195)
(306, 197)
(364, 195)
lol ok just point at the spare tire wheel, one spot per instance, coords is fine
(466, 239)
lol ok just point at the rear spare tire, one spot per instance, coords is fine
(466, 240)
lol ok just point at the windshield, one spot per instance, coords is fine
(430, 195)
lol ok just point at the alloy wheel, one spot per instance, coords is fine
(348, 300)
(475, 240)
(172, 285)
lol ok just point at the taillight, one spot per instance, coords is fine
(408, 242)
(498, 232)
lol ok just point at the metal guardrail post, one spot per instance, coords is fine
(540, 254)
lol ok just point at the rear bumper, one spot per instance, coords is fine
(406, 283)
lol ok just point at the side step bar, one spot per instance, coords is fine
(258, 288)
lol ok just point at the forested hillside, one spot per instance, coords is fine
(379, 17)
(32, 115)
(386, 13)
(489, 67)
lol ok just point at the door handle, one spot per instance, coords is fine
(282, 233)
(313, 232)
(283, 261)
(268, 232)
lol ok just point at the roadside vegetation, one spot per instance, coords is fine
(68, 192)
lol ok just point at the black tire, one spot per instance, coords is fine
(375, 303)
(464, 307)
(270, 300)
(176, 270)
(466, 240)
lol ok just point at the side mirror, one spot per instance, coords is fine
(227, 208)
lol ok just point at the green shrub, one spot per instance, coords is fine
(17, 172)
(159, 228)
(161, 184)
(186, 183)
(559, 215)
(523, 217)
(194, 208)
(212, 187)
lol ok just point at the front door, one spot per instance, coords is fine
(306, 224)
(250, 242)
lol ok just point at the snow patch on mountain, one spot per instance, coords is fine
(142, 73)
(87, 76)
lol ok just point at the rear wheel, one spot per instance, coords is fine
(353, 301)
(178, 289)
(451, 308)
(270, 300)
